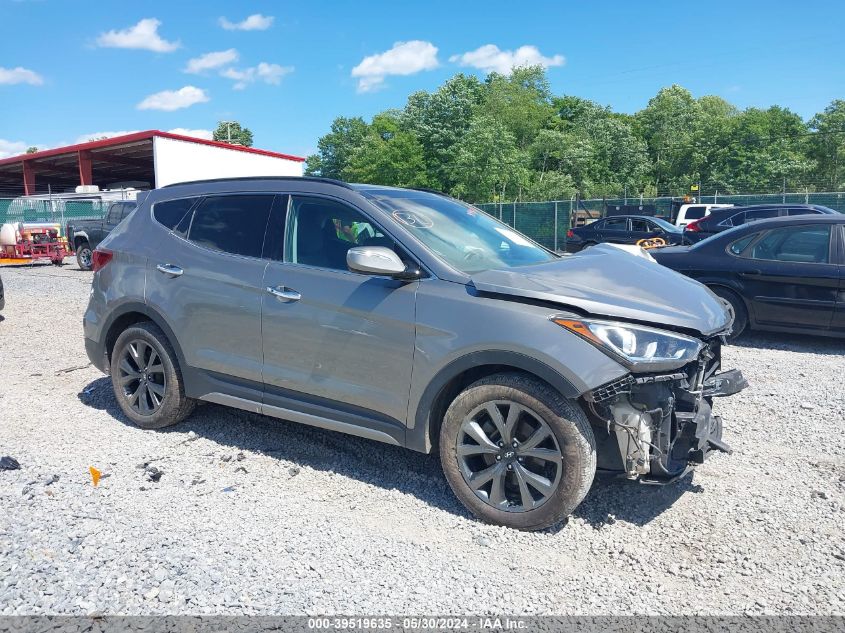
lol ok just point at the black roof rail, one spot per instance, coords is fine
(328, 181)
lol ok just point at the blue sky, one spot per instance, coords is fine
(70, 70)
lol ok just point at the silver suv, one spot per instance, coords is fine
(414, 319)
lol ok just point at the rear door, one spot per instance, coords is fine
(341, 340)
(791, 278)
(206, 278)
(615, 231)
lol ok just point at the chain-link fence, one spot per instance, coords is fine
(56, 209)
(548, 222)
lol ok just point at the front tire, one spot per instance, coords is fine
(84, 256)
(517, 453)
(146, 378)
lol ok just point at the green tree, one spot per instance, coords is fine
(827, 145)
(767, 152)
(31, 150)
(521, 102)
(337, 147)
(439, 121)
(667, 125)
(487, 164)
(388, 155)
(232, 132)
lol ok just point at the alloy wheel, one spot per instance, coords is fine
(85, 257)
(141, 377)
(509, 456)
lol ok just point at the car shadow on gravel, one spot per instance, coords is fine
(803, 343)
(388, 467)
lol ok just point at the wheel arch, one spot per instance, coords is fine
(131, 313)
(458, 374)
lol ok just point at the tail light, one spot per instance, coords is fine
(100, 258)
(570, 234)
(693, 226)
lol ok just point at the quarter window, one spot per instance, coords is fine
(740, 245)
(804, 245)
(170, 212)
(232, 224)
(322, 231)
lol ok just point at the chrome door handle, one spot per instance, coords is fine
(284, 294)
(169, 269)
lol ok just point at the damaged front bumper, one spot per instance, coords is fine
(655, 427)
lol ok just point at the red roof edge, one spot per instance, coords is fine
(141, 136)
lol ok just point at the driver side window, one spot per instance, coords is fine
(321, 231)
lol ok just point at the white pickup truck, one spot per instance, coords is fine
(689, 212)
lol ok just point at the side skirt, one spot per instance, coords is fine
(300, 417)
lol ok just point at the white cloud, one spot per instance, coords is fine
(405, 58)
(255, 22)
(11, 148)
(20, 75)
(490, 58)
(143, 35)
(169, 100)
(206, 134)
(210, 61)
(268, 73)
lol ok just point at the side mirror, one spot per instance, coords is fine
(375, 260)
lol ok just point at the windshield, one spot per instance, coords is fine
(666, 226)
(464, 237)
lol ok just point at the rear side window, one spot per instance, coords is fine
(802, 245)
(128, 208)
(232, 224)
(756, 214)
(170, 212)
(615, 224)
(802, 211)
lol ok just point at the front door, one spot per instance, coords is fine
(790, 278)
(340, 340)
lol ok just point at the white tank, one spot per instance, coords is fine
(8, 234)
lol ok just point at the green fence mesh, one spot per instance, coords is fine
(542, 220)
(56, 210)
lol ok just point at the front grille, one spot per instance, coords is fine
(612, 389)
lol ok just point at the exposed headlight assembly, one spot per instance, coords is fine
(639, 346)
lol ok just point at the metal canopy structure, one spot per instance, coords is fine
(127, 158)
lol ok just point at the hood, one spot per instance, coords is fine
(606, 281)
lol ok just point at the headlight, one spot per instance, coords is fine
(636, 344)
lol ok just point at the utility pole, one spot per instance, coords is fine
(784, 189)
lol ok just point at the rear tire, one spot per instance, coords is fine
(84, 256)
(146, 378)
(532, 484)
(740, 311)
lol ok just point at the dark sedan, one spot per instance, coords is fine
(623, 229)
(786, 274)
(723, 219)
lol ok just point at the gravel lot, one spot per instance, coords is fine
(254, 515)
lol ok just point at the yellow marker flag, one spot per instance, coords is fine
(95, 475)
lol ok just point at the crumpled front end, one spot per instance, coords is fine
(654, 427)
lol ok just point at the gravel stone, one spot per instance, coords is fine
(332, 524)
